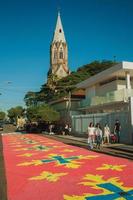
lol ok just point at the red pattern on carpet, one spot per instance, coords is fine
(38, 168)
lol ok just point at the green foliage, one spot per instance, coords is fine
(52, 81)
(43, 112)
(14, 112)
(30, 98)
(31, 113)
(45, 93)
(2, 115)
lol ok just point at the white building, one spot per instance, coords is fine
(110, 87)
(109, 96)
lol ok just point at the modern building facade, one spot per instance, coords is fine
(108, 96)
(109, 90)
(59, 52)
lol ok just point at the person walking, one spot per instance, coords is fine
(106, 134)
(66, 129)
(117, 129)
(99, 135)
(91, 135)
(51, 127)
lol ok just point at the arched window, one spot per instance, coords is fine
(61, 55)
(55, 54)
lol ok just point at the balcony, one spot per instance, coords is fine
(110, 97)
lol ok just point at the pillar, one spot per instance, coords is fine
(128, 83)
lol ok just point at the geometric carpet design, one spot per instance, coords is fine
(38, 168)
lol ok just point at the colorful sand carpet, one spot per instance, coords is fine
(38, 168)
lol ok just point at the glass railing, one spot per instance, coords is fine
(114, 96)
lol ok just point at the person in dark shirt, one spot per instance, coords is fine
(117, 129)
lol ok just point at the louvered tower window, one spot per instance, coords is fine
(55, 54)
(61, 55)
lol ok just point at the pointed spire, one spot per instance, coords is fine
(59, 33)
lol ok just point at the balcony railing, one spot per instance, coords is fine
(110, 97)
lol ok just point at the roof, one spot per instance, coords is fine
(59, 33)
(118, 70)
(79, 92)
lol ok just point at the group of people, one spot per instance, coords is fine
(98, 136)
(62, 129)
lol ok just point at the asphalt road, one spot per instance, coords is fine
(8, 128)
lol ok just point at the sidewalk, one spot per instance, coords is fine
(117, 149)
(84, 140)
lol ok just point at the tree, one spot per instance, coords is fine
(43, 112)
(32, 114)
(47, 113)
(52, 81)
(30, 98)
(2, 115)
(13, 113)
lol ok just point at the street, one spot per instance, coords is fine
(66, 100)
(41, 168)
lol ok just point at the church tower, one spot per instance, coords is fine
(59, 52)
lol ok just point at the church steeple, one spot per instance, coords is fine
(59, 52)
(59, 33)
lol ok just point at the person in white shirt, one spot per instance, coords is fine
(91, 135)
(106, 133)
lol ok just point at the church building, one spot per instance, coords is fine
(59, 52)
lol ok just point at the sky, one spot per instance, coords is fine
(94, 30)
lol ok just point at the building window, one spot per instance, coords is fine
(60, 31)
(61, 55)
(55, 54)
